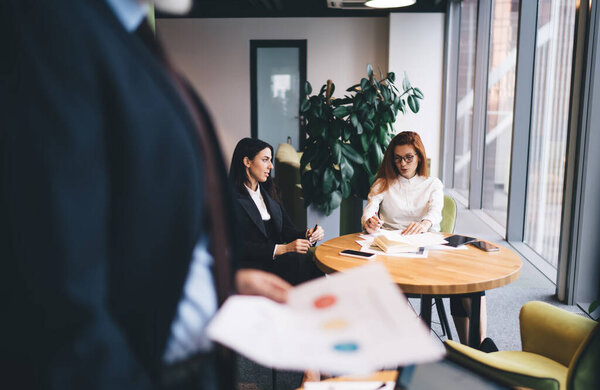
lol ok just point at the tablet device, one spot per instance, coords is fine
(458, 240)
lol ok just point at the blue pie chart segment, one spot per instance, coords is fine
(346, 347)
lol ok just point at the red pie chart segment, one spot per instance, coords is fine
(324, 301)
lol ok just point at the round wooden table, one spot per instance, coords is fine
(442, 273)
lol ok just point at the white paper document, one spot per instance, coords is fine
(349, 385)
(367, 246)
(424, 239)
(349, 323)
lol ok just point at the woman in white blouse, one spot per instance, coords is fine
(404, 197)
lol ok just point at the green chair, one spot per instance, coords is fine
(446, 226)
(561, 350)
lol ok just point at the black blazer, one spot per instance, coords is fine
(258, 247)
(102, 198)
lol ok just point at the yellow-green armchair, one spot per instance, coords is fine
(561, 350)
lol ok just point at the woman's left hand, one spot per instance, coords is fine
(315, 235)
(417, 227)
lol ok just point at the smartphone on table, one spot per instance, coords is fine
(485, 246)
(358, 254)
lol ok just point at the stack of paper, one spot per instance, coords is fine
(394, 242)
(350, 323)
(392, 245)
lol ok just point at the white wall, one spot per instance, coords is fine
(417, 47)
(215, 56)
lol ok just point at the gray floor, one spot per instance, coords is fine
(503, 310)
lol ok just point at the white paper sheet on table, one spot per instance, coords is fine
(349, 385)
(351, 322)
(423, 239)
(365, 246)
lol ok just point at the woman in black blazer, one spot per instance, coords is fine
(271, 241)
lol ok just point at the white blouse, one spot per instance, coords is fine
(406, 201)
(259, 202)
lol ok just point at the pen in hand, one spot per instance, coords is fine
(313, 232)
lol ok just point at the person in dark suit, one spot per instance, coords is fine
(271, 242)
(108, 231)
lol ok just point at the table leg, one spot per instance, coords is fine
(426, 309)
(474, 321)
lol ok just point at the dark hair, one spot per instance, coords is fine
(249, 147)
(388, 171)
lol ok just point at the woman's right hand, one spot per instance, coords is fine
(373, 224)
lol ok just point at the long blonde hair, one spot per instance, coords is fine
(388, 172)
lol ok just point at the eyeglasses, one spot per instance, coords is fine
(408, 158)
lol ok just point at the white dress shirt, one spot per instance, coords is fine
(406, 201)
(199, 300)
(259, 202)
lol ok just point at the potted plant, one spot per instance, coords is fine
(347, 136)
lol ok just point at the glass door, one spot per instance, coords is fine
(278, 74)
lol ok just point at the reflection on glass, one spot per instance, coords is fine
(280, 85)
(278, 95)
(500, 102)
(464, 96)
(550, 111)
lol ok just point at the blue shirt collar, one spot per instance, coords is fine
(129, 12)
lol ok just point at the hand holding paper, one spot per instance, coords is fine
(352, 322)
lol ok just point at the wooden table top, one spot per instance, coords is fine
(442, 272)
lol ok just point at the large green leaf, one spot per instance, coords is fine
(354, 119)
(391, 76)
(413, 103)
(369, 70)
(322, 91)
(364, 84)
(307, 88)
(346, 189)
(305, 106)
(334, 202)
(593, 306)
(405, 83)
(364, 142)
(418, 93)
(359, 128)
(353, 88)
(342, 111)
(378, 154)
(349, 152)
(347, 133)
(346, 169)
(309, 153)
(336, 151)
(329, 181)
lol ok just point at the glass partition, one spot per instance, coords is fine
(500, 102)
(549, 126)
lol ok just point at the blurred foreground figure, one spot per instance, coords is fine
(115, 249)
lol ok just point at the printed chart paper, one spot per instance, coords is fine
(349, 385)
(349, 323)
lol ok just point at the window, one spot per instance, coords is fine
(549, 126)
(464, 107)
(500, 102)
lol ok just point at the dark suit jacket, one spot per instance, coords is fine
(101, 198)
(258, 247)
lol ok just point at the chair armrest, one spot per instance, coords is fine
(502, 368)
(552, 332)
